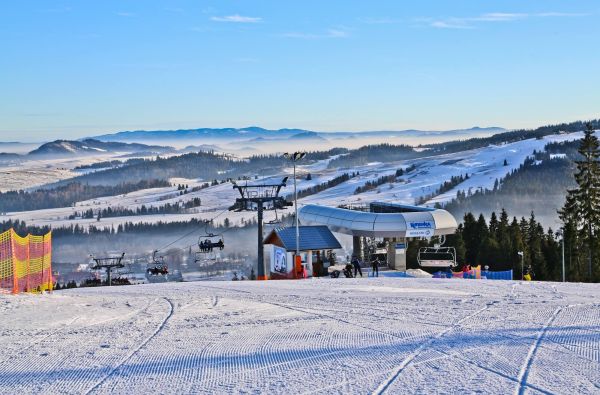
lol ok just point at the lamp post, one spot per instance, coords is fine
(522, 255)
(561, 233)
(294, 157)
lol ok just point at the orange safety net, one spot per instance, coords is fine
(474, 273)
(25, 263)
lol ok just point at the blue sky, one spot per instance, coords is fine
(75, 68)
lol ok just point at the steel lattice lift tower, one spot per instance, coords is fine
(108, 263)
(260, 197)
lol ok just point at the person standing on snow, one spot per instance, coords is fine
(356, 264)
(375, 267)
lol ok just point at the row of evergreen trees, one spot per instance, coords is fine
(497, 244)
(374, 153)
(370, 185)
(110, 212)
(445, 187)
(509, 137)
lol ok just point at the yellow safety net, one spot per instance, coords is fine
(25, 263)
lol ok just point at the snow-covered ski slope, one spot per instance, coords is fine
(344, 336)
(484, 166)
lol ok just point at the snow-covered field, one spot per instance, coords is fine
(385, 335)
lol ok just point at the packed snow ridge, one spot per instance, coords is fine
(386, 335)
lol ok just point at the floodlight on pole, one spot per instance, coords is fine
(294, 157)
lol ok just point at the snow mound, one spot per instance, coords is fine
(418, 273)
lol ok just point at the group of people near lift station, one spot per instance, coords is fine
(207, 245)
(353, 269)
(355, 265)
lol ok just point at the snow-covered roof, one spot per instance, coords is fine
(418, 222)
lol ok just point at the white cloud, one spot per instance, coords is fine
(449, 25)
(337, 33)
(561, 14)
(498, 17)
(125, 14)
(236, 19)
(471, 22)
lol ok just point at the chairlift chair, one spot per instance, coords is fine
(276, 220)
(437, 257)
(207, 245)
(157, 266)
(211, 241)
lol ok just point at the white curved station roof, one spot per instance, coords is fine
(420, 222)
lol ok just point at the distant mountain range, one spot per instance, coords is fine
(253, 133)
(61, 148)
(247, 141)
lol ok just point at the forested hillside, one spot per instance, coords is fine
(66, 195)
(535, 186)
(204, 165)
(512, 136)
(374, 153)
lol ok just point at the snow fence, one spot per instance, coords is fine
(25, 263)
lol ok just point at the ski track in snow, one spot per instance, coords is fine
(320, 336)
(142, 344)
(532, 351)
(407, 361)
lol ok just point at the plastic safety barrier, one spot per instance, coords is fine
(505, 275)
(25, 263)
(477, 273)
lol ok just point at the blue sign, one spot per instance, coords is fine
(400, 246)
(421, 225)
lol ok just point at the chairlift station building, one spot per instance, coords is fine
(394, 223)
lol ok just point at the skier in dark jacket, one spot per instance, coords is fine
(375, 267)
(356, 264)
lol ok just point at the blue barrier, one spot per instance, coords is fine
(394, 274)
(505, 275)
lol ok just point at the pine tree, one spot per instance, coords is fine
(534, 243)
(471, 239)
(494, 224)
(582, 207)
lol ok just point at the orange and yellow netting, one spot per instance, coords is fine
(25, 263)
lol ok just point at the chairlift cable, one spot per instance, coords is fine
(192, 232)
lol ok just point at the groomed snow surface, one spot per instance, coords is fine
(385, 335)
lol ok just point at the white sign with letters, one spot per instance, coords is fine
(420, 229)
